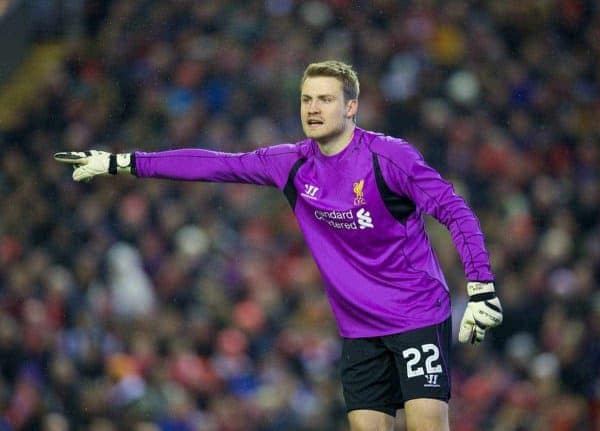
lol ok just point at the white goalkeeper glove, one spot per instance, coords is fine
(89, 164)
(483, 312)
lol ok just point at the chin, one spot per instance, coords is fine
(318, 134)
(314, 134)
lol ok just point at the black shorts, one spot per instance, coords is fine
(381, 373)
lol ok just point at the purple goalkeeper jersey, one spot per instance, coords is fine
(361, 213)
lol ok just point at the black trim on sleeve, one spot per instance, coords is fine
(289, 190)
(400, 207)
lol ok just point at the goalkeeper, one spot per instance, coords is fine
(359, 198)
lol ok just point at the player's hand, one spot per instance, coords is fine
(89, 164)
(483, 312)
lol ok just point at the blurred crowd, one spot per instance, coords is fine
(153, 305)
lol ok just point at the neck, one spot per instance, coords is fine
(336, 144)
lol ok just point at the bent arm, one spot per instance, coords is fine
(435, 196)
(438, 199)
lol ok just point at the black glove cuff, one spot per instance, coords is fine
(112, 164)
(482, 297)
(132, 165)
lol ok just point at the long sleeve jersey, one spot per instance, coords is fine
(361, 213)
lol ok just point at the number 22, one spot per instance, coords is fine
(414, 357)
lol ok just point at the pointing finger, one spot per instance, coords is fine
(74, 158)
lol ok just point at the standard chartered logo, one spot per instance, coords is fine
(364, 218)
(347, 220)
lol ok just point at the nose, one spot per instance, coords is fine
(314, 107)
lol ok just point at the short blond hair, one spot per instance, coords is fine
(336, 69)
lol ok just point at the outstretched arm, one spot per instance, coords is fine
(266, 166)
(206, 165)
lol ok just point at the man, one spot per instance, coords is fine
(359, 198)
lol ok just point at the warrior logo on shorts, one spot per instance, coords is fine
(359, 198)
(431, 381)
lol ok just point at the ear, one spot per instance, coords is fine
(351, 108)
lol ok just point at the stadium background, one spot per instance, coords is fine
(156, 305)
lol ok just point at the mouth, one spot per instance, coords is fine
(313, 123)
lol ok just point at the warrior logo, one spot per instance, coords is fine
(310, 191)
(431, 381)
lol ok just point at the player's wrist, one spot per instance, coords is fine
(480, 290)
(123, 163)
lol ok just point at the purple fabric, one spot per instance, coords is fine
(381, 275)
